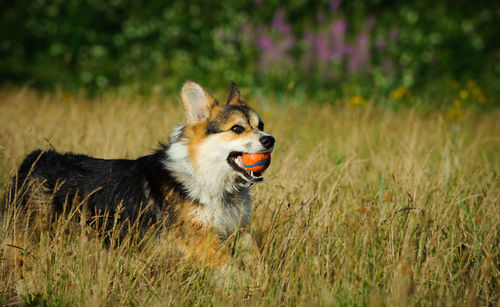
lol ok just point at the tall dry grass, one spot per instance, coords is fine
(360, 206)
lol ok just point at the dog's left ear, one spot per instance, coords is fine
(235, 96)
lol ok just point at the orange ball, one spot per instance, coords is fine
(257, 162)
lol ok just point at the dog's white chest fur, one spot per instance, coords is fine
(224, 216)
(223, 206)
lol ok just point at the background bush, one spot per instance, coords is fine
(318, 48)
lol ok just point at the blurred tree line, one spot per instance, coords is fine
(313, 47)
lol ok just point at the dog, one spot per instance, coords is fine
(195, 186)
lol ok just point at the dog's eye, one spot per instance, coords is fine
(237, 129)
(261, 126)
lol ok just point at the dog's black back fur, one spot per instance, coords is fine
(138, 186)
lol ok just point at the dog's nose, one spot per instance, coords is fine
(267, 141)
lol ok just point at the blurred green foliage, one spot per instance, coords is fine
(144, 46)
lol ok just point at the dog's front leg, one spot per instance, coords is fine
(204, 247)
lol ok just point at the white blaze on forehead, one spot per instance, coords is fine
(241, 122)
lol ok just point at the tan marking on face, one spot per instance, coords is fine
(238, 118)
(196, 135)
(231, 136)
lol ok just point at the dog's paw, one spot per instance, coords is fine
(248, 254)
(229, 276)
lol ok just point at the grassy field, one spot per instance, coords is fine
(361, 206)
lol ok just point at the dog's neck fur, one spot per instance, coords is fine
(224, 204)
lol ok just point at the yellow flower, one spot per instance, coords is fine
(478, 95)
(471, 84)
(401, 93)
(358, 100)
(456, 111)
(463, 94)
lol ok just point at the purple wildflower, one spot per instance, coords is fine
(362, 41)
(370, 21)
(354, 64)
(380, 44)
(265, 42)
(322, 47)
(361, 56)
(334, 5)
(309, 55)
(394, 35)
(309, 38)
(275, 53)
(320, 17)
(289, 40)
(279, 23)
(337, 30)
(347, 49)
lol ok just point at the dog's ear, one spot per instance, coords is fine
(197, 102)
(235, 96)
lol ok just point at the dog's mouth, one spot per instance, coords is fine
(235, 159)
